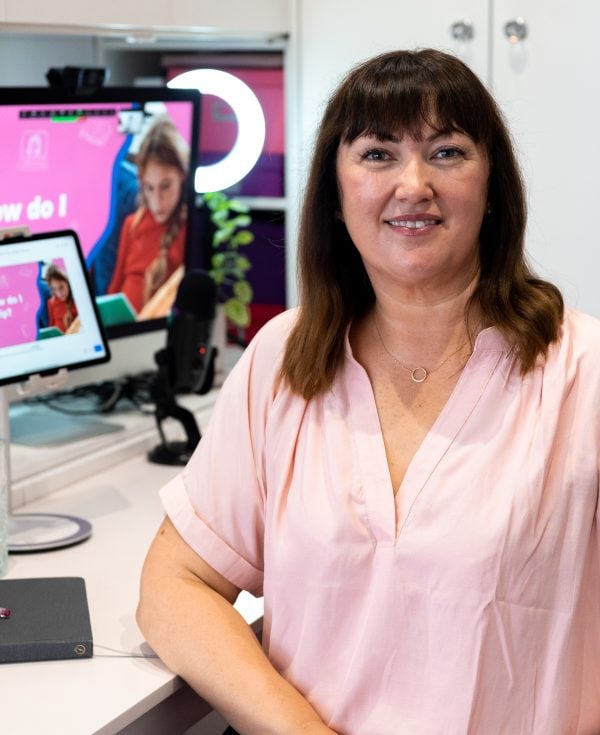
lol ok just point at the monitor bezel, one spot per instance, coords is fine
(106, 95)
(101, 359)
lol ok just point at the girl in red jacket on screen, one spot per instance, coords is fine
(61, 305)
(152, 240)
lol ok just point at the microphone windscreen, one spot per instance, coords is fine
(197, 294)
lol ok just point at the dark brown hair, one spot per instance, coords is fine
(393, 94)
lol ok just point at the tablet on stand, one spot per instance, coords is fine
(49, 324)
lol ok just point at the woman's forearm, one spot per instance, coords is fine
(200, 636)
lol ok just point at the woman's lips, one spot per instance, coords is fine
(415, 223)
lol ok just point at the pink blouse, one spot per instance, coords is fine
(468, 604)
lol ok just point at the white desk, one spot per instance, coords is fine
(102, 695)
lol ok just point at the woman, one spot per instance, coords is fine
(406, 466)
(152, 241)
(62, 310)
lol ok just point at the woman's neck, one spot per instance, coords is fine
(424, 312)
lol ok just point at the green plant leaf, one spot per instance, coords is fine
(236, 206)
(242, 263)
(242, 220)
(213, 200)
(219, 216)
(237, 312)
(228, 268)
(222, 235)
(243, 291)
(243, 237)
(217, 275)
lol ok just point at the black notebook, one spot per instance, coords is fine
(49, 619)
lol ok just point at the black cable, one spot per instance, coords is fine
(135, 389)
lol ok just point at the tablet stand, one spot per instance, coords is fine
(29, 532)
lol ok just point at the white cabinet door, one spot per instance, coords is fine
(547, 85)
(77, 12)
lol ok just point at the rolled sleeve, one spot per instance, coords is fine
(205, 541)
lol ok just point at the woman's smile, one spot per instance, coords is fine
(412, 225)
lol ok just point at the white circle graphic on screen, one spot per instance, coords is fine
(251, 126)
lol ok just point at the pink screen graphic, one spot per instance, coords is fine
(20, 301)
(61, 167)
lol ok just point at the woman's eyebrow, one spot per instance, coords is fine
(442, 133)
(395, 138)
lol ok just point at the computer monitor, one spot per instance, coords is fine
(49, 325)
(70, 161)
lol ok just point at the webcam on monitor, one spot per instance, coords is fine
(77, 77)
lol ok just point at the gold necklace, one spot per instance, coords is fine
(417, 374)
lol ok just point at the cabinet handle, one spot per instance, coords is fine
(462, 30)
(516, 30)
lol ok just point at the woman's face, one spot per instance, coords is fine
(59, 288)
(414, 208)
(161, 186)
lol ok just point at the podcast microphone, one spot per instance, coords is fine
(190, 353)
(186, 364)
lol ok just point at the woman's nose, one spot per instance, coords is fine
(413, 182)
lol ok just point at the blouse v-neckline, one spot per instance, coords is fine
(389, 512)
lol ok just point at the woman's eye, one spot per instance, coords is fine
(375, 154)
(449, 153)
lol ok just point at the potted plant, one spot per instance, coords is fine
(229, 266)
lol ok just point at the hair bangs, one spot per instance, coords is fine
(404, 98)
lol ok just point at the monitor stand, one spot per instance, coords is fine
(29, 532)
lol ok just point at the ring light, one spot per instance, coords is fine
(251, 126)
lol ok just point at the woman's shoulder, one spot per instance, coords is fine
(256, 375)
(582, 329)
(580, 340)
(265, 350)
(276, 330)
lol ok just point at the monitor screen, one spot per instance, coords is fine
(48, 317)
(116, 166)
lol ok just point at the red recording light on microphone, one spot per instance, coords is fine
(202, 350)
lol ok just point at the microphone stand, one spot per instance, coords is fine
(171, 452)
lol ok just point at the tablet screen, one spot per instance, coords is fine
(48, 318)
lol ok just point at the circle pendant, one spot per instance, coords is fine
(418, 375)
